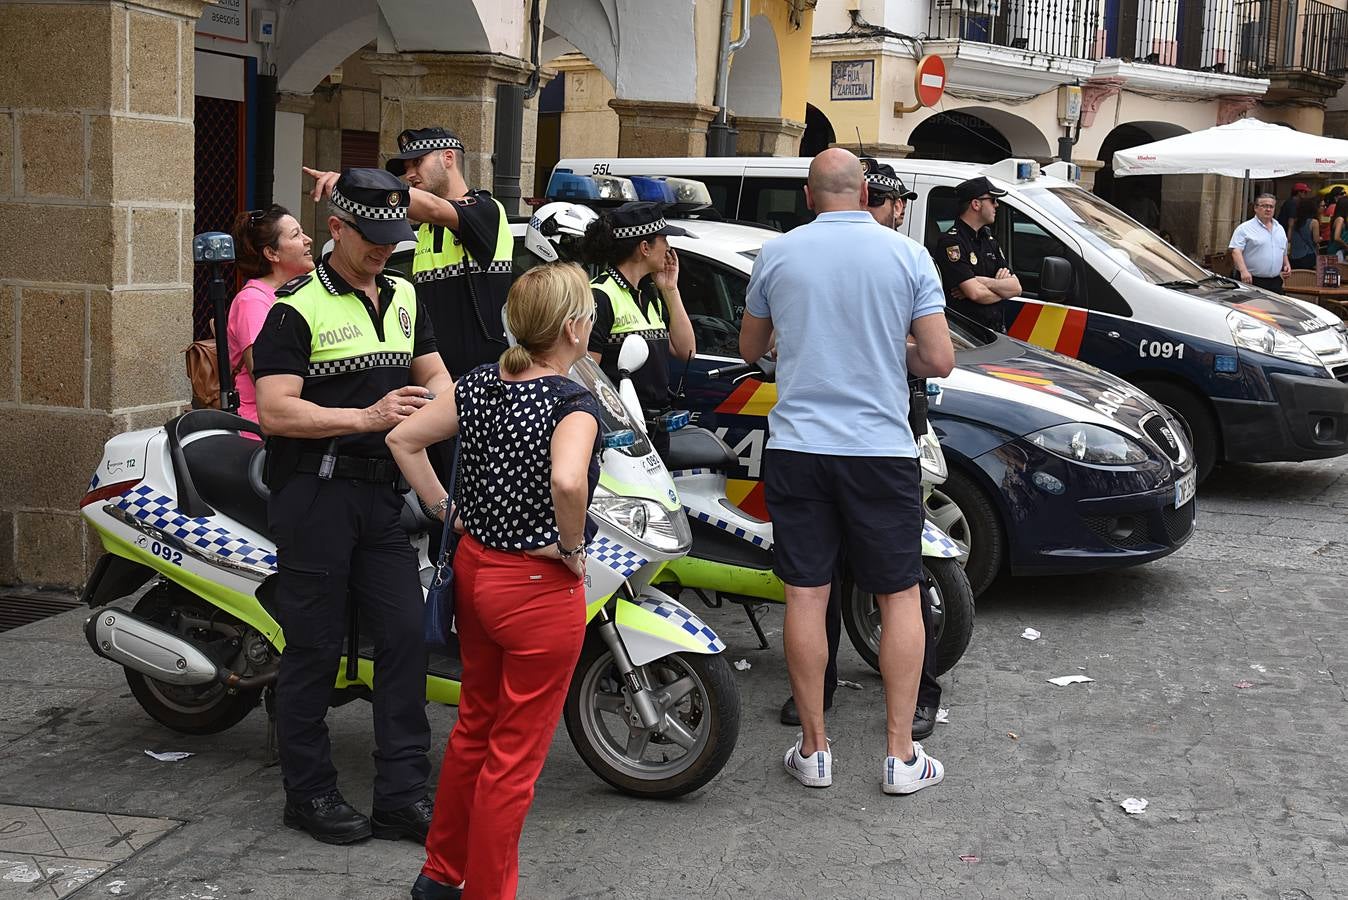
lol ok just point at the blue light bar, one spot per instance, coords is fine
(567, 185)
(656, 189)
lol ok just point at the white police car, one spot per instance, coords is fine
(1255, 377)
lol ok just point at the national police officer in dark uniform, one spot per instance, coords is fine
(973, 269)
(346, 353)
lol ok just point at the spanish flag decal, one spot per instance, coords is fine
(751, 398)
(1051, 327)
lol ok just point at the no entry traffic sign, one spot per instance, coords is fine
(929, 82)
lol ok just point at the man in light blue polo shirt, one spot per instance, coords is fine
(1259, 247)
(855, 309)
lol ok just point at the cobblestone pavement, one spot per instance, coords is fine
(1218, 697)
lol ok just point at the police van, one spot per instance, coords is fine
(1255, 377)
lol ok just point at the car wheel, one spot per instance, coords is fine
(961, 509)
(1197, 419)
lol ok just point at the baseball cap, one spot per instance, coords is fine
(975, 188)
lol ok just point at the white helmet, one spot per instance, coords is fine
(554, 222)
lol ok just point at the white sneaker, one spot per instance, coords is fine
(902, 778)
(815, 770)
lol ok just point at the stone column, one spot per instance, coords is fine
(96, 194)
(455, 91)
(1088, 169)
(661, 128)
(768, 136)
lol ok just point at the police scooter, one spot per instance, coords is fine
(731, 558)
(653, 708)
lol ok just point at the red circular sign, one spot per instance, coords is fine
(929, 82)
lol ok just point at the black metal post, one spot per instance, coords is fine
(219, 296)
(507, 151)
(266, 141)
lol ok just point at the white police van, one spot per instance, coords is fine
(1256, 377)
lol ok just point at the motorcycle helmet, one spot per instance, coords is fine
(555, 226)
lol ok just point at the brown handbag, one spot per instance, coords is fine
(203, 370)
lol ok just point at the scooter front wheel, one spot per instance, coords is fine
(698, 702)
(946, 592)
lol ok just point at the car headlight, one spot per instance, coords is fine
(933, 460)
(1083, 442)
(647, 521)
(1252, 334)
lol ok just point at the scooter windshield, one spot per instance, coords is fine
(612, 414)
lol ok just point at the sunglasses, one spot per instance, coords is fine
(989, 198)
(356, 228)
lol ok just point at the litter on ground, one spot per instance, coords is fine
(743, 665)
(1030, 634)
(1134, 806)
(169, 755)
(1063, 680)
(942, 716)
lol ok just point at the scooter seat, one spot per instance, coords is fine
(219, 466)
(692, 447)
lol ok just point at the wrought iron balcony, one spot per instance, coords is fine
(1246, 37)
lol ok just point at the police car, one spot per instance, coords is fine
(1054, 467)
(1255, 377)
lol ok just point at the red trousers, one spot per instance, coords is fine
(521, 622)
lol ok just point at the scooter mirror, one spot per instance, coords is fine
(632, 355)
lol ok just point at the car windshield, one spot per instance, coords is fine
(1125, 241)
(612, 414)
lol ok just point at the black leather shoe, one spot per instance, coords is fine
(924, 722)
(328, 818)
(411, 822)
(791, 715)
(429, 889)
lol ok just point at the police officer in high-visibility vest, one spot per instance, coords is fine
(346, 353)
(638, 293)
(973, 268)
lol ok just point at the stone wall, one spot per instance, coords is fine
(96, 188)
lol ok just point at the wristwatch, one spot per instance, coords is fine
(577, 550)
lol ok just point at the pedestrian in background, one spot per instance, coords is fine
(518, 572)
(1259, 247)
(1300, 191)
(1303, 228)
(270, 248)
(841, 468)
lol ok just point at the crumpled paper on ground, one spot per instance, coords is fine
(1063, 680)
(743, 665)
(1134, 806)
(1030, 634)
(169, 755)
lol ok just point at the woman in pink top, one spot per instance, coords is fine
(270, 248)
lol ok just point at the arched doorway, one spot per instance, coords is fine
(754, 87)
(819, 134)
(1140, 196)
(959, 135)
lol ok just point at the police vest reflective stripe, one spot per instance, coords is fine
(440, 253)
(627, 314)
(343, 339)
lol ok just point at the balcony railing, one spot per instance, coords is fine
(1281, 36)
(1247, 37)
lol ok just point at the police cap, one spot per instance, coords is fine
(378, 201)
(642, 219)
(414, 143)
(975, 188)
(883, 182)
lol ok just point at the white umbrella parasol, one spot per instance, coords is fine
(1246, 148)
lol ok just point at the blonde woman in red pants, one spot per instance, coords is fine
(528, 465)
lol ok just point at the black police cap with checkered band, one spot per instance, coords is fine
(884, 181)
(378, 202)
(641, 219)
(415, 143)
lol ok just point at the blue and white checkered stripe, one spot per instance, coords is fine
(730, 527)
(684, 473)
(159, 511)
(617, 557)
(934, 539)
(668, 609)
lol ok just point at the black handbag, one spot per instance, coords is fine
(438, 621)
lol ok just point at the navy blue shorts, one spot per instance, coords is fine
(870, 504)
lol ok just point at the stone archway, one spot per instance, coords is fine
(819, 134)
(959, 135)
(1140, 196)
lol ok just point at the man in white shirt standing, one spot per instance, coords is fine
(1259, 247)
